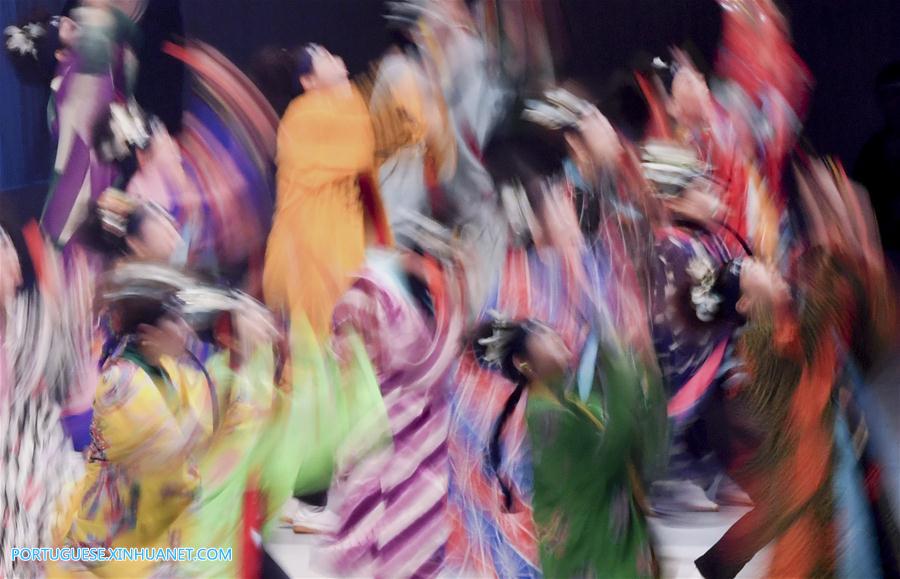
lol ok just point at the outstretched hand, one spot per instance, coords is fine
(254, 328)
(600, 137)
(167, 338)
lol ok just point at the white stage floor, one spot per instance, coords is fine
(678, 544)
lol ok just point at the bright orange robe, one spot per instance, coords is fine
(328, 204)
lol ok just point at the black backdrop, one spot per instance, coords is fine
(845, 43)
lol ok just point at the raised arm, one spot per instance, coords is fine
(757, 55)
(134, 427)
(407, 108)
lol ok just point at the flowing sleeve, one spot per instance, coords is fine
(627, 404)
(763, 101)
(396, 92)
(758, 57)
(245, 398)
(757, 53)
(133, 426)
(395, 105)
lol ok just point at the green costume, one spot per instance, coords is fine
(588, 456)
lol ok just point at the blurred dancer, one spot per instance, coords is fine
(586, 443)
(330, 142)
(116, 228)
(746, 129)
(541, 275)
(216, 176)
(744, 132)
(407, 308)
(44, 337)
(691, 341)
(794, 462)
(152, 414)
(452, 46)
(243, 483)
(558, 273)
(90, 49)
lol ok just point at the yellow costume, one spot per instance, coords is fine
(141, 476)
(328, 210)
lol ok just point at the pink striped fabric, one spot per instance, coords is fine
(392, 504)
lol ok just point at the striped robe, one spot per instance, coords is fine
(95, 73)
(485, 539)
(392, 503)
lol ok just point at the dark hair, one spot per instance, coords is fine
(40, 66)
(210, 327)
(727, 288)
(527, 157)
(304, 60)
(134, 312)
(274, 72)
(516, 345)
(524, 151)
(96, 237)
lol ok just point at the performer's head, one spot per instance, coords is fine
(524, 351)
(691, 101)
(525, 162)
(742, 290)
(120, 225)
(36, 44)
(681, 181)
(227, 318)
(141, 300)
(319, 69)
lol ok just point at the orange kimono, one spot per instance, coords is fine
(329, 209)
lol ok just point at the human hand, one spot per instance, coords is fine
(167, 338)
(600, 137)
(695, 205)
(254, 327)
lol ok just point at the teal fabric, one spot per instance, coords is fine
(857, 551)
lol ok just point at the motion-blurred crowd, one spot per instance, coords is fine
(446, 315)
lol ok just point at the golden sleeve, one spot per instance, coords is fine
(402, 114)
